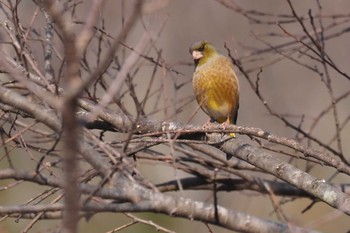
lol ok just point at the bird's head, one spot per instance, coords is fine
(202, 51)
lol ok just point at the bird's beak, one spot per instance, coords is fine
(197, 55)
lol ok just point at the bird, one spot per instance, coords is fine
(215, 84)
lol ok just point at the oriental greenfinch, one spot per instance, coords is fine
(215, 84)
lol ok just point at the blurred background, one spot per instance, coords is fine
(293, 84)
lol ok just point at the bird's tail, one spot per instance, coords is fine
(233, 122)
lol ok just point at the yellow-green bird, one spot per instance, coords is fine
(215, 84)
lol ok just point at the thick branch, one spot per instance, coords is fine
(285, 171)
(153, 201)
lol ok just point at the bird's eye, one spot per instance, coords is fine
(201, 48)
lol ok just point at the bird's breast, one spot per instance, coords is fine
(216, 88)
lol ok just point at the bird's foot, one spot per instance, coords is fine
(209, 124)
(224, 125)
